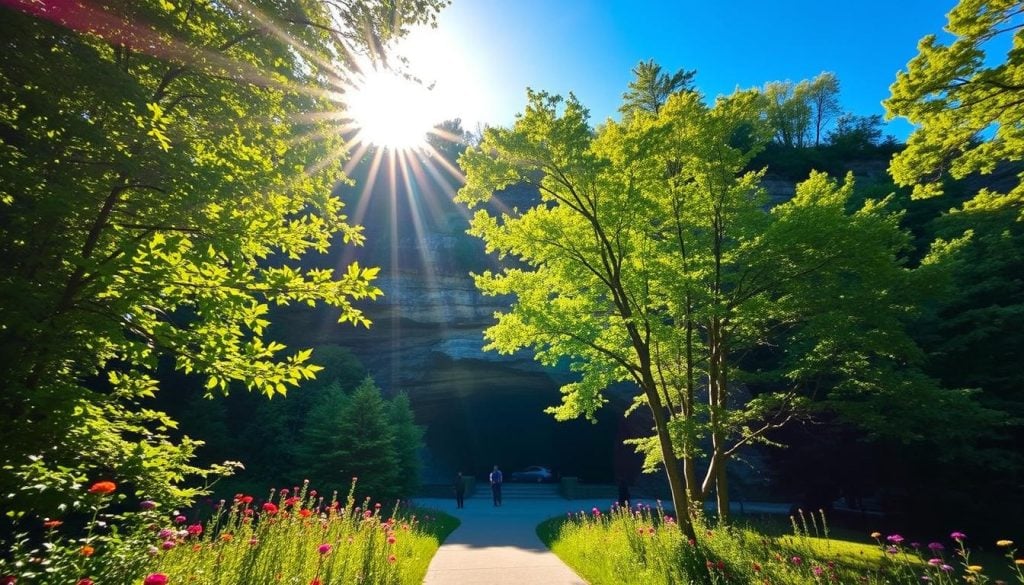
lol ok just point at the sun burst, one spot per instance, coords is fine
(390, 111)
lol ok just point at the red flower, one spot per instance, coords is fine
(103, 487)
(51, 524)
(270, 508)
(392, 559)
(315, 582)
(291, 501)
(155, 579)
(8, 580)
(246, 500)
(195, 529)
(305, 513)
(85, 581)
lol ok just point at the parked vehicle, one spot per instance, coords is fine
(534, 473)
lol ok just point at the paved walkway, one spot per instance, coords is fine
(500, 546)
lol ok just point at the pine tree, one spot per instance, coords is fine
(408, 441)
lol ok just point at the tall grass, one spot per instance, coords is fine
(295, 537)
(643, 546)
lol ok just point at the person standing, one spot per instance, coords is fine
(496, 480)
(460, 490)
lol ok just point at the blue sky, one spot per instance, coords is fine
(494, 49)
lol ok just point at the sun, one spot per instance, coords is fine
(390, 111)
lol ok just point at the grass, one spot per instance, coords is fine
(644, 546)
(296, 537)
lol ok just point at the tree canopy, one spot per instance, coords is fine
(163, 167)
(967, 109)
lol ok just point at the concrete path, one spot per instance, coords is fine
(500, 546)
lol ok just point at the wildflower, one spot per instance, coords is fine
(796, 560)
(315, 582)
(270, 508)
(152, 550)
(155, 579)
(292, 501)
(196, 547)
(720, 565)
(936, 546)
(392, 559)
(195, 529)
(87, 551)
(650, 530)
(391, 539)
(595, 512)
(227, 537)
(974, 569)
(166, 533)
(253, 541)
(51, 524)
(817, 570)
(1018, 562)
(946, 568)
(312, 493)
(84, 581)
(305, 512)
(958, 536)
(1004, 543)
(168, 544)
(892, 550)
(147, 505)
(377, 505)
(324, 548)
(179, 519)
(284, 491)
(876, 535)
(245, 500)
(102, 487)
(894, 538)
(935, 562)
(757, 567)
(915, 545)
(8, 580)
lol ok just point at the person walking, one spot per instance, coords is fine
(496, 480)
(460, 490)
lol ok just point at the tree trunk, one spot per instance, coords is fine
(680, 499)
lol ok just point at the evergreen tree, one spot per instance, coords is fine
(651, 88)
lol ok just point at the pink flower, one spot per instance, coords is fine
(796, 560)
(155, 579)
(392, 559)
(894, 538)
(195, 529)
(179, 519)
(958, 536)
(168, 544)
(270, 508)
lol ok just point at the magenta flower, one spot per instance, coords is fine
(195, 529)
(936, 546)
(958, 536)
(894, 538)
(166, 533)
(797, 560)
(168, 544)
(817, 570)
(147, 504)
(179, 519)
(155, 579)
(324, 548)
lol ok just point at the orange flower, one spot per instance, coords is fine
(305, 512)
(51, 524)
(103, 487)
(87, 550)
(227, 537)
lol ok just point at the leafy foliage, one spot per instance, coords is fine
(967, 112)
(159, 185)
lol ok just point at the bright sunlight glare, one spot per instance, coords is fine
(391, 111)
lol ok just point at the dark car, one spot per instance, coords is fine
(534, 473)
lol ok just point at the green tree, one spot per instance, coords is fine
(651, 88)
(159, 179)
(788, 111)
(366, 446)
(651, 259)
(823, 96)
(965, 104)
